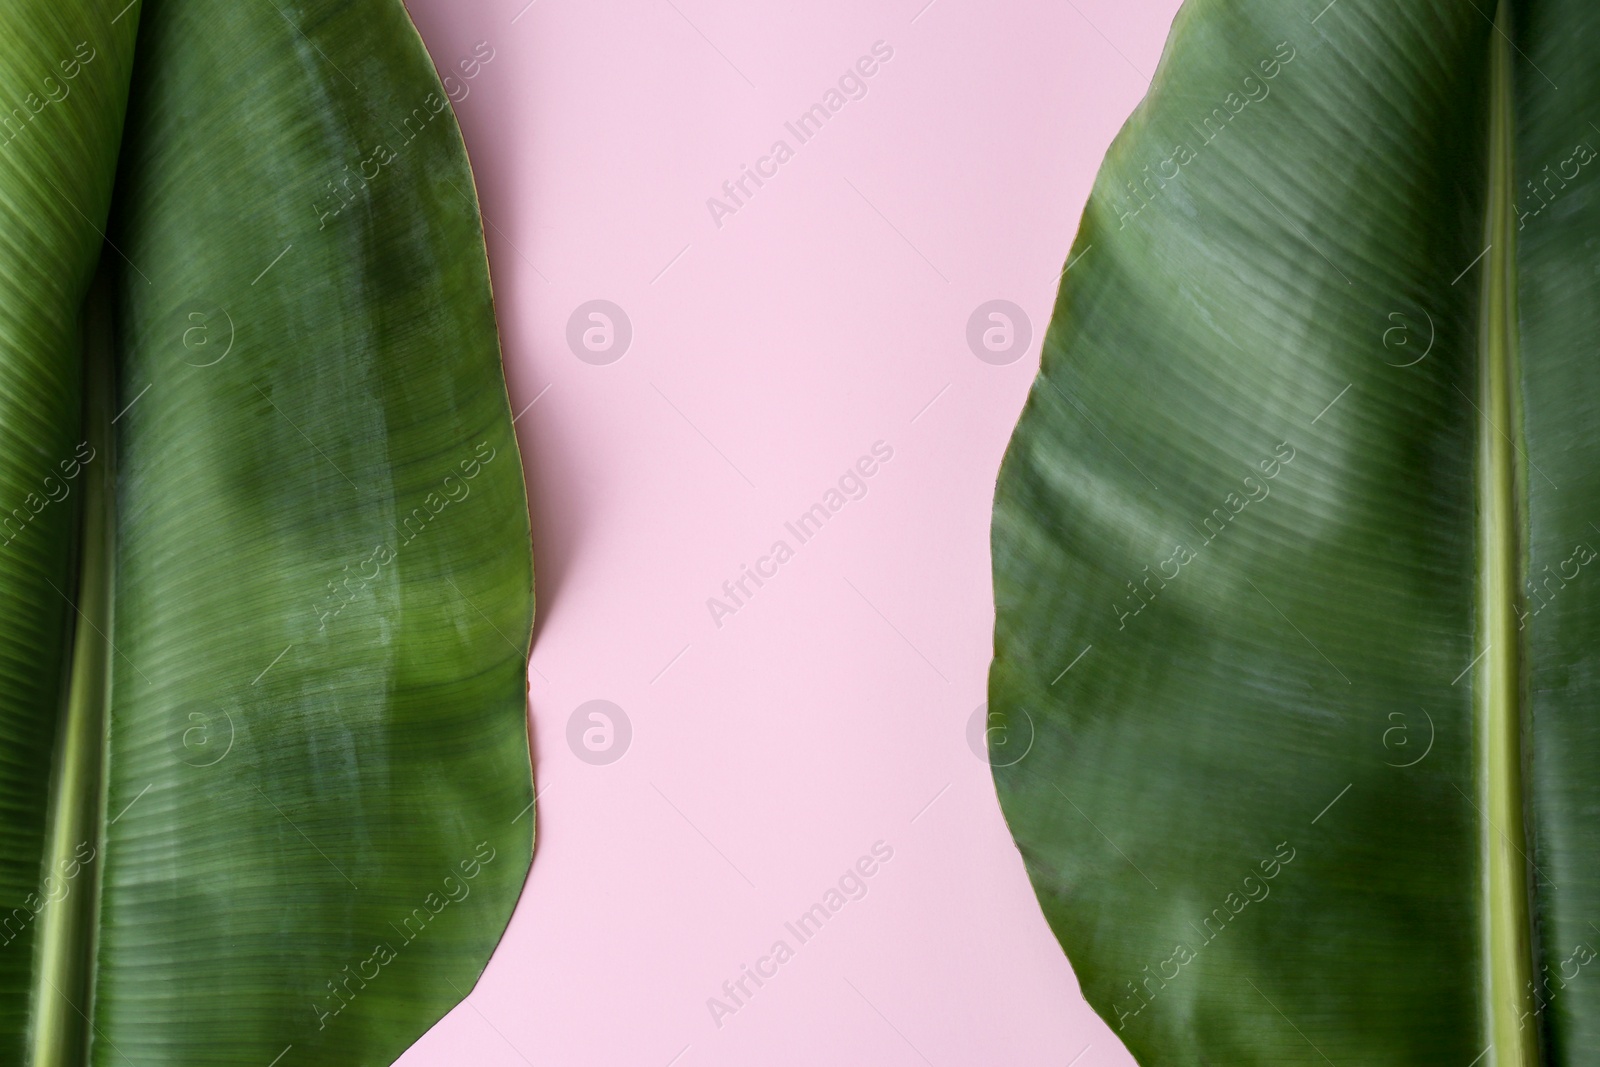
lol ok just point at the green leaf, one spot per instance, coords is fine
(266, 787)
(1292, 546)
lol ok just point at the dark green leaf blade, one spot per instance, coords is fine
(319, 797)
(1558, 90)
(1244, 482)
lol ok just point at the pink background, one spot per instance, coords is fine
(768, 354)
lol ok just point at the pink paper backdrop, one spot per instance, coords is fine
(774, 342)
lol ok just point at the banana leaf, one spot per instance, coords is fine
(1295, 547)
(265, 576)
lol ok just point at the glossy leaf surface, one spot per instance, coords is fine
(1296, 611)
(316, 806)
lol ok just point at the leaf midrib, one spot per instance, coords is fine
(64, 963)
(1498, 685)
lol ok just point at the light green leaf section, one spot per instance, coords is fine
(287, 747)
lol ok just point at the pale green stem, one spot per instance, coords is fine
(70, 883)
(1498, 685)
